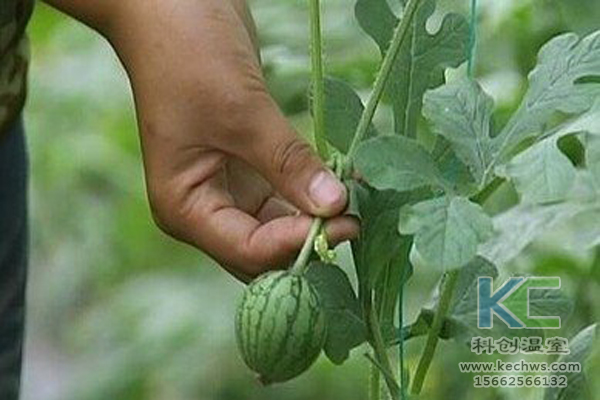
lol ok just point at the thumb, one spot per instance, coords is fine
(291, 165)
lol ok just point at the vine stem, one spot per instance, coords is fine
(318, 79)
(318, 109)
(301, 262)
(487, 191)
(383, 75)
(366, 118)
(319, 100)
(402, 376)
(447, 290)
(381, 356)
(374, 383)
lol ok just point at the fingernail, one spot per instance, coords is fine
(326, 191)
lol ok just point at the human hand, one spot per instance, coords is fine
(225, 171)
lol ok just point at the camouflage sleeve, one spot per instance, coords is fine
(13, 259)
(14, 58)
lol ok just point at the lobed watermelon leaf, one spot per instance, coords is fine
(541, 174)
(345, 327)
(343, 108)
(422, 59)
(379, 239)
(556, 84)
(461, 112)
(448, 230)
(397, 163)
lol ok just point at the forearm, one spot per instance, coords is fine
(102, 15)
(218, 153)
(129, 23)
(98, 14)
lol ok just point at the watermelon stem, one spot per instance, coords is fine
(400, 35)
(374, 382)
(381, 358)
(401, 365)
(301, 263)
(318, 79)
(447, 290)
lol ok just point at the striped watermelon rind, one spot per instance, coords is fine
(280, 326)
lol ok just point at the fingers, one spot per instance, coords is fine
(273, 208)
(269, 144)
(197, 207)
(248, 247)
(341, 229)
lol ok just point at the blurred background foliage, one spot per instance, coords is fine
(119, 311)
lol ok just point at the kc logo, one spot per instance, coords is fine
(511, 303)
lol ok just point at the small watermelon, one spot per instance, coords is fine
(280, 326)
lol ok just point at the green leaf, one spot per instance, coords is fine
(343, 109)
(592, 157)
(541, 174)
(422, 59)
(586, 187)
(421, 63)
(555, 85)
(588, 122)
(583, 231)
(358, 196)
(466, 285)
(345, 327)
(461, 112)
(448, 230)
(397, 163)
(377, 20)
(580, 347)
(379, 238)
(453, 170)
(530, 221)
